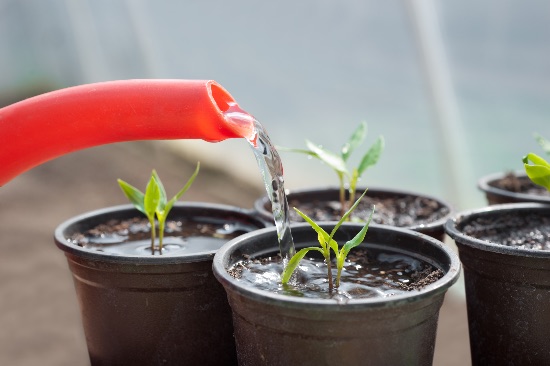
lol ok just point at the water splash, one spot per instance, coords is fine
(271, 169)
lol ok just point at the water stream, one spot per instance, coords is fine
(271, 169)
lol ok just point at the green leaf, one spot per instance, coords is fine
(152, 197)
(372, 156)
(328, 157)
(162, 191)
(539, 173)
(355, 140)
(134, 195)
(314, 225)
(358, 239)
(294, 261)
(536, 160)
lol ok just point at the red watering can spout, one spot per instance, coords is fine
(44, 127)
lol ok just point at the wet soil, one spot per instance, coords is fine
(366, 274)
(139, 228)
(400, 211)
(527, 231)
(522, 184)
(191, 235)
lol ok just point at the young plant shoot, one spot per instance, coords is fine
(536, 167)
(338, 161)
(327, 243)
(154, 202)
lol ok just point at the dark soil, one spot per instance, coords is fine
(512, 183)
(181, 237)
(367, 273)
(528, 231)
(138, 229)
(400, 211)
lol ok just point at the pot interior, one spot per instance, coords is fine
(194, 231)
(263, 243)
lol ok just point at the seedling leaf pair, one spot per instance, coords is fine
(154, 202)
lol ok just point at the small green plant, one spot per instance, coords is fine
(536, 167)
(154, 202)
(327, 243)
(338, 161)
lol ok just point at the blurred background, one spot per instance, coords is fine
(457, 88)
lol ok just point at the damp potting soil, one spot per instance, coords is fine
(186, 236)
(527, 231)
(512, 183)
(400, 211)
(366, 274)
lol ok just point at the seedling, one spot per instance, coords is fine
(338, 161)
(538, 169)
(154, 202)
(327, 243)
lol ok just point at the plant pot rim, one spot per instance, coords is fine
(484, 185)
(452, 228)
(222, 258)
(262, 201)
(90, 254)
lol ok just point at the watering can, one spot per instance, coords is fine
(47, 126)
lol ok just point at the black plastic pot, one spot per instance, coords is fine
(274, 329)
(434, 229)
(495, 195)
(152, 310)
(507, 292)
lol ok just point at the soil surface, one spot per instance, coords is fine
(366, 273)
(400, 211)
(529, 231)
(186, 235)
(511, 182)
(138, 228)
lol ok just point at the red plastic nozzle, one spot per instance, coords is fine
(44, 127)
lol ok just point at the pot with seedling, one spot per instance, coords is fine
(146, 300)
(515, 186)
(381, 308)
(505, 251)
(399, 208)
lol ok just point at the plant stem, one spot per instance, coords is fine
(338, 275)
(152, 223)
(329, 273)
(161, 235)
